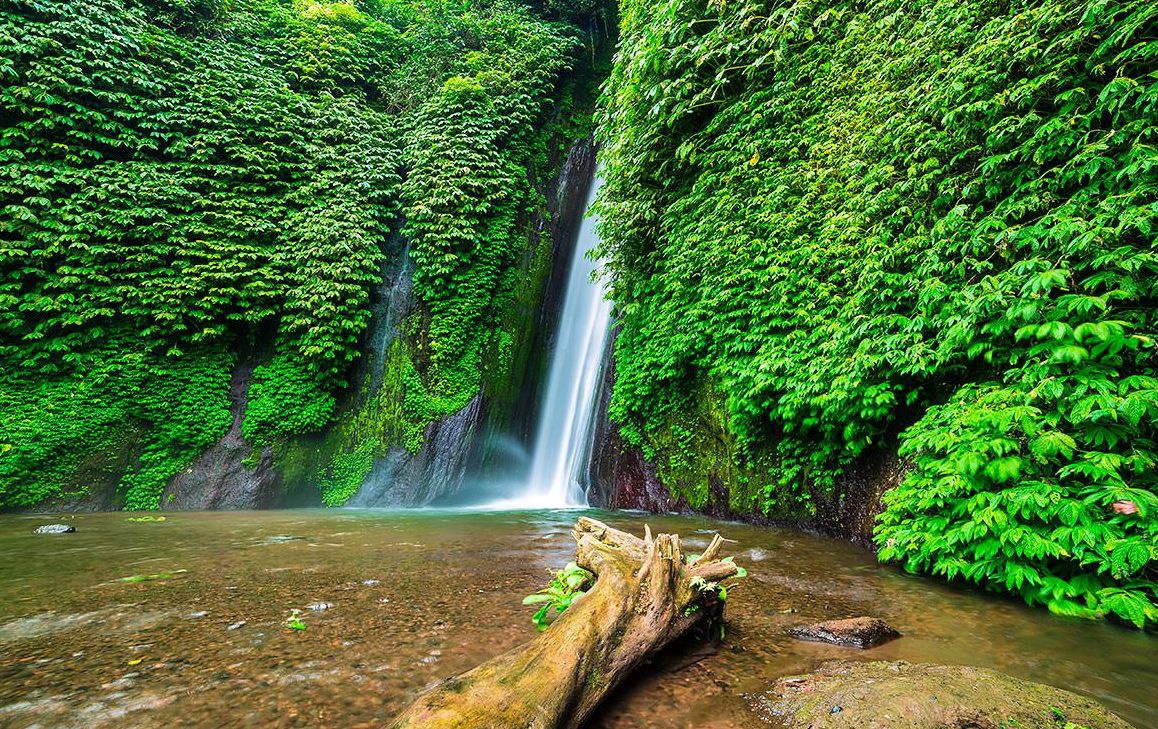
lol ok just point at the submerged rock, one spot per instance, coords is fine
(862, 632)
(281, 539)
(882, 694)
(54, 529)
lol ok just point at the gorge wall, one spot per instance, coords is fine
(253, 253)
(847, 236)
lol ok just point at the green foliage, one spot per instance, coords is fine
(187, 173)
(151, 578)
(468, 187)
(294, 621)
(568, 585)
(284, 399)
(346, 473)
(1012, 489)
(711, 592)
(154, 412)
(182, 185)
(852, 217)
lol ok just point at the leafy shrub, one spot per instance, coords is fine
(140, 413)
(566, 586)
(346, 473)
(284, 399)
(851, 218)
(468, 187)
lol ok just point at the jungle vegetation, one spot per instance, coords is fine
(834, 229)
(187, 182)
(928, 227)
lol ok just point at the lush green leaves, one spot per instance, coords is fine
(200, 176)
(568, 585)
(848, 218)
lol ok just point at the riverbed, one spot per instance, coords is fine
(181, 622)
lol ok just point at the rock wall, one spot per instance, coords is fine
(231, 474)
(478, 439)
(436, 471)
(565, 210)
(715, 481)
(363, 448)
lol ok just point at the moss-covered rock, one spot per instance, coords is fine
(900, 695)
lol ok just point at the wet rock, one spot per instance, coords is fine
(862, 632)
(449, 447)
(231, 473)
(851, 509)
(54, 529)
(883, 694)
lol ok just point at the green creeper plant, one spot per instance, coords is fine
(566, 586)
(926, 228)
(188, 180)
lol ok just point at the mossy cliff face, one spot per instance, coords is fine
(394, 442)
(391, 442)
(695, 463)
(200, 205)
(842, 235)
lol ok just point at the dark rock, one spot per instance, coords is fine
(619, 477)
(228, 475)
(862, 632)
(449, 445)
(55, 529)
(891, 695)
(449, 448)
(850, 509)
(566, 208)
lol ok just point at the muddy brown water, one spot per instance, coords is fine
(417, 596)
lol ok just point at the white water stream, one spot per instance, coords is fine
(563, 441)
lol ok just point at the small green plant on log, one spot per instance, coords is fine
(567, 586)
(713, 593)
(636, 606)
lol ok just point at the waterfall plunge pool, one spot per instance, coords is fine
(416, 596)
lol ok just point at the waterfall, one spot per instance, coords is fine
(563, 440)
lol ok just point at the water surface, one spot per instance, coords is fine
(417, 596)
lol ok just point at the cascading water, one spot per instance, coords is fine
(566, 419)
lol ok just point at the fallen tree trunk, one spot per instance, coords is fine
(646, 594)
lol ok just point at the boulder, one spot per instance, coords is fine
(54, 529)
(862, 632)
(900, 695)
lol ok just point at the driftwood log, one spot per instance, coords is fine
(643, 599)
